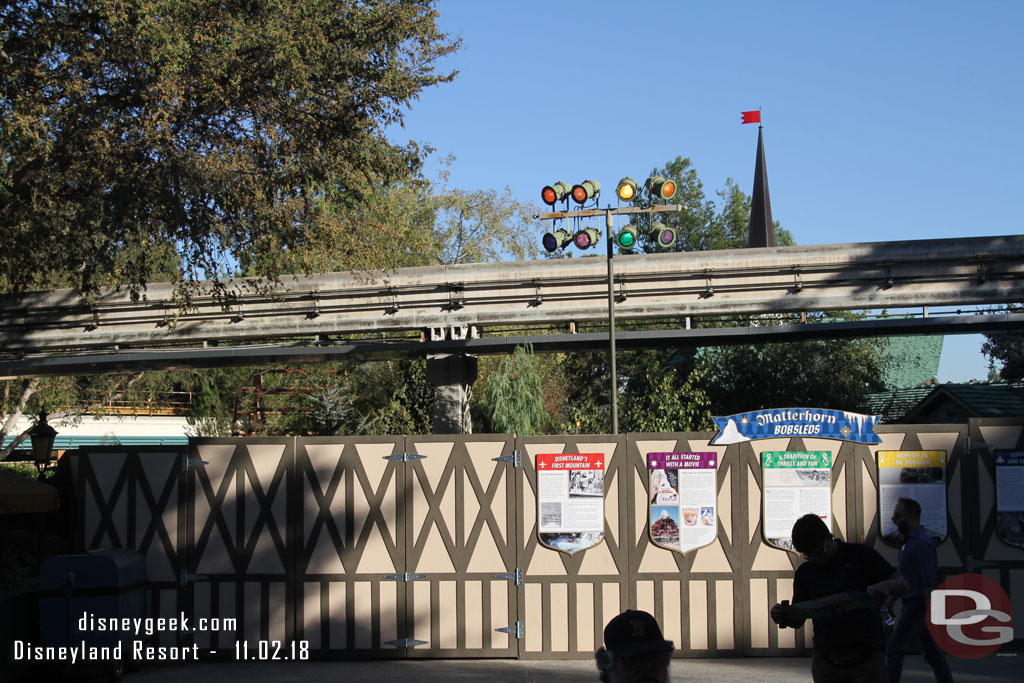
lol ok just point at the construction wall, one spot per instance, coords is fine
(427, 546)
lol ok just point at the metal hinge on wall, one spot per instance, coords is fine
(188, 463)
(185, 578)
(516, 630)
(404, 457)
(406, 642)
(405, 576)
(516, 458)
(516, 576)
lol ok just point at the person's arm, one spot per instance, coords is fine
(892, 587)
(784, 614)
(926, 562)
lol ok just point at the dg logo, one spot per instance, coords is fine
(970, 616)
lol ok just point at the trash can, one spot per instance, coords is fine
(89, 605)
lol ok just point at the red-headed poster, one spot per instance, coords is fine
(570, 500)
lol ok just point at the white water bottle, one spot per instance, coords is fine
(888, 618)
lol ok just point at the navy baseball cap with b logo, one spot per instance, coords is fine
(635, 632)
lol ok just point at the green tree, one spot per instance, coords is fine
(513, 396)
(834, 374)
(69, 399)
(1006, 348)
(483, 225)
(149, 133)
(211, 412)
(680, 390)
(703, 224)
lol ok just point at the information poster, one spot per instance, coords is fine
(570, 500)
(1010, 497)
(920, 475)
(683, 507)
(794, 483)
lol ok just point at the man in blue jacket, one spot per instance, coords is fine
(918, 565)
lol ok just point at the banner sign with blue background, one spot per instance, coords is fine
(780, 422)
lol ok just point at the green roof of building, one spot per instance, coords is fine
(895, 405)
(910, 361)
(972, 399)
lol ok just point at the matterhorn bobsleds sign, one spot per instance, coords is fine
(796, 422)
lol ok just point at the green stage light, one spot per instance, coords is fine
(627, 237)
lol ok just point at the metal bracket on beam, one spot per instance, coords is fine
(456, 296)
(405, 576)
(392, 308)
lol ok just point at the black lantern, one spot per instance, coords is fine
(42, 436)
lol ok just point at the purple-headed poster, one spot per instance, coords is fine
(683, 499)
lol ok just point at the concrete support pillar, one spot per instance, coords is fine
(452, 376)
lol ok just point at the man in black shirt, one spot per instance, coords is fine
(849, 645)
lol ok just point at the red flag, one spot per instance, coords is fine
(751, 116)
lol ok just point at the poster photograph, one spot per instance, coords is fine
(570, 500)
(794, 483)
(1010, 497)
(683, 500)
(920, 475)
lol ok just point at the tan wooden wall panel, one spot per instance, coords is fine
(557, 622)
(348, 495)
(461, 535)
(986, 437)
(297, 538)
(134, 499)
(239, 539)
(674, 586)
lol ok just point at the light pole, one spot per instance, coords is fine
(611, 325)
(608, 213)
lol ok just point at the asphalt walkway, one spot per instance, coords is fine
(992, 669)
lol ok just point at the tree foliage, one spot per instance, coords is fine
(832, 374)
(1006, 348)
(513, 396)
(67, 400)
(148, 136)
(704, 224)
(680, 390)
(483, 225)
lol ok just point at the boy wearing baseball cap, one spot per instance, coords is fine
(634, 650)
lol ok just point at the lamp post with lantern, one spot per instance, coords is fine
(42, 436)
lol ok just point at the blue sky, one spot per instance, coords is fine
(882, 120)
